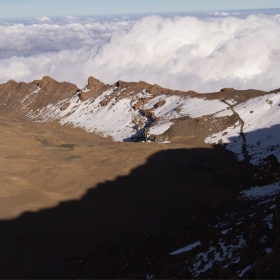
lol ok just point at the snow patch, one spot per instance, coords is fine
(160, 128)
(186, 249)
(259, 192)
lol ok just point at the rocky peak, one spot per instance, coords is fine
(227, 89)
(47, 83)
(94, 83)
(155, 89)
(95, 87)
(11, 82)
(121, 83)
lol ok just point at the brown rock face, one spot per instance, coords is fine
(53, 87)
(47, 83)
(159, 138)
(95, 87)
(138, 105)
(155, 89)
(121, 83)
(94, 83)
(11, 82)
(138, 126)
(160, 104)
(275, 90)
(104, 102)
(32, 96)
(85, 96)
(148, 114)
(65, 106)
(227, 89)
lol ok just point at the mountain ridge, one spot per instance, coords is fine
(222, 204)
(138, 111)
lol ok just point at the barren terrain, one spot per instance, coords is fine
(75, 204)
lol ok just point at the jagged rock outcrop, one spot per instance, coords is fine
(64, 106)
(138, 104)
(227, 89)
(192, 116)
(16, 99)
(93, 88)
(159, 104)
(275, 90)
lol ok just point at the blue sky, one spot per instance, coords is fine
(54, 8)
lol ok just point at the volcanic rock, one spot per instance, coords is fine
(94, 87)
(65, 106)
(104, 102)
(227, 89)
(121, 83)
(159, 104)
(275, 90)
(149, 114)
(94, 83)
(138, 104)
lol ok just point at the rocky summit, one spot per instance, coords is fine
(133, 180)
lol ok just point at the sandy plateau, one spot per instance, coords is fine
(41, 167)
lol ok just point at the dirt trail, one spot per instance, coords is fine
(244, 146)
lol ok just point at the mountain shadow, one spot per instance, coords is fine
(119, 226)
(258, 144)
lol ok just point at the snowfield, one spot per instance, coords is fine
(261, 128)
(257, 128)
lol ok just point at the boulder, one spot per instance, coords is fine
(149, 114)
(137, 105)
(104, 102)
(159, 138)
(160, 104)
(227, 89)
(155, 89)
(272, 159)
(64, 106)
(121, 83)
(85, 96)
(138, 126)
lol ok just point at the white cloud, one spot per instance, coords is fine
(223, 14)
(277, 17)
(42, 18)
(180, 53)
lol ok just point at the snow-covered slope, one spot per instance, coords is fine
(245, 122)
(261, 128)
(115, 119)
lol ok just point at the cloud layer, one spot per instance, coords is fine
(180, 52)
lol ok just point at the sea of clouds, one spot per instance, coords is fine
(202, 54)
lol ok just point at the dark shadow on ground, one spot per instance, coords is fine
(260, 143)
(142, 214)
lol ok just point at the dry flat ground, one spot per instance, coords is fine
(67, 194)
(41, 167)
